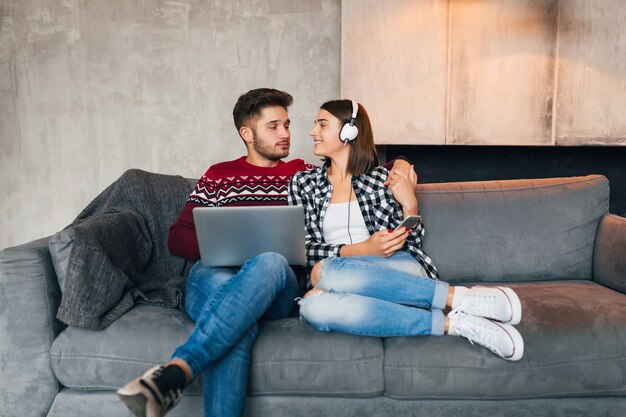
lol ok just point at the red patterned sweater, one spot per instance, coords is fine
(232, 183)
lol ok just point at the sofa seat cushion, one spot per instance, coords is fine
(108, 359)
(575, 345)
(79, 403)
(292, 358)
(288, 358)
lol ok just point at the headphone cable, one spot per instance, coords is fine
(349, 201)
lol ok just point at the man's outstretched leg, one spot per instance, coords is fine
(230, 304)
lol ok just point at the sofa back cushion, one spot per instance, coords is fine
(514, 230)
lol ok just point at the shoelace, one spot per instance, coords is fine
(483, 308)
(472, 334)
(157, 373)
(456, 312)
(171, 398)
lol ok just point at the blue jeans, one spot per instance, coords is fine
(225, 304)
(376, 296)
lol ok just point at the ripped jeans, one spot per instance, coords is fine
(376, 296)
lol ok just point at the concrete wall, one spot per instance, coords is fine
(488, 72)
(89, 89)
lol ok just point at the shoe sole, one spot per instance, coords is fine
(518, 342)
(516, 305)
(135, 403)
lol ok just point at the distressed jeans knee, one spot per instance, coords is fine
(366, 316)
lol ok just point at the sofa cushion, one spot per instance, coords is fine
(288, 358)
(575, 341)
(28, 298)
(609, 260)
(76, 403)
(108, 359)
(517, 230)
(292, 358)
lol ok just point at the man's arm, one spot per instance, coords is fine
(402, 184)
(399, 170)
(182, 240)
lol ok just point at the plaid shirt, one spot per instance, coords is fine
(312, 190)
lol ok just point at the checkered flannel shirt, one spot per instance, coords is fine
(312, 190)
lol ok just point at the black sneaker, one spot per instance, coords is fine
(143, 397)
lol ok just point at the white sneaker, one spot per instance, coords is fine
(497, 303)
(143, 397)
(502, 339)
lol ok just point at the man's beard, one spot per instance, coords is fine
(268, 151)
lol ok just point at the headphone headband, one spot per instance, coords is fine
(355, 110)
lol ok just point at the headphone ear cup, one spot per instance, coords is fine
(348, 133)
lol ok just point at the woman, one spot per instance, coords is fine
(370, 277)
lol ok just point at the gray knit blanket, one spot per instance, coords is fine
(116, 251)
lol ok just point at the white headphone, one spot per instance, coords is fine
(349, 131)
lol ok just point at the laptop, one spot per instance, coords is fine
(229, 236)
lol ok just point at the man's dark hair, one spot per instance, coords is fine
(250, 105)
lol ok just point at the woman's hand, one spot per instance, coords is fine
(402, 185)
(385, 242)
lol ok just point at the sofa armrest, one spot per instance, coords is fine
(609, 258)
(29, 298)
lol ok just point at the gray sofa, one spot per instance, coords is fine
(552, 240)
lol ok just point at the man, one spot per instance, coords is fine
(226, 303)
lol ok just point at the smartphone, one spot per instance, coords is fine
(410, 222)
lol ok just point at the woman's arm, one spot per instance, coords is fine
(382, 243)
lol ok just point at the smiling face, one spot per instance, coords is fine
(269, 137)
(325, 135)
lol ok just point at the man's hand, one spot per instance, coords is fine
(401, 167)
(402, 185)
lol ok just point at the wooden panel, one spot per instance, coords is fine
(591, 92)
(394, 62)
(502, 71)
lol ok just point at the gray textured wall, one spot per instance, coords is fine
(89, 89)
(488, 72)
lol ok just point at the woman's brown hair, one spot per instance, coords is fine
(363, 156)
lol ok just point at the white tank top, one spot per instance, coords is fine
(335, 227)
